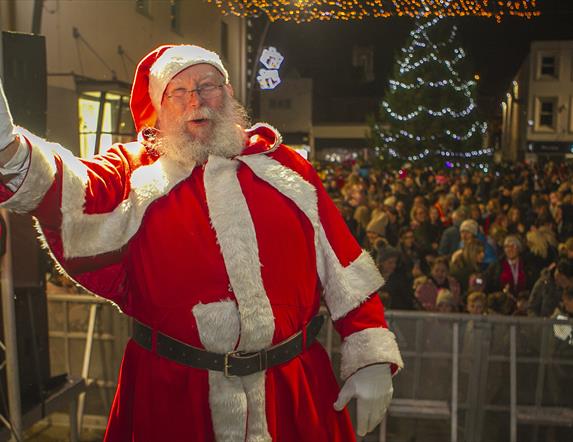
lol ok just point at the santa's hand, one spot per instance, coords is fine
(7, 134)
(372, 388)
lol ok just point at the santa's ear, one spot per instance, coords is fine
(229, 90)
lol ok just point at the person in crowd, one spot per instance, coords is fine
(443, 207)
(396, 293)
(426, 235)
(445, 302)
(476, 303)
(566, 249)
(392, 233)
(515, 222)
(565, 308)
(466, 261)
(540, 250)
(511, 273)
(547, 290)
(375, 231)
(427, 291)
(411, 260)
(450, 238)
(361, 217)
(469, 229)
(521, 304)
(500, 303)
(435, 220)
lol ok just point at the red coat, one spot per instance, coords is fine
(234, 254)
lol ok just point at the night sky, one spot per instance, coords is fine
(323, 51)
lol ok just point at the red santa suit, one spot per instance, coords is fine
(233, 254)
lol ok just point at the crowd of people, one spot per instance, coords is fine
(464, 240)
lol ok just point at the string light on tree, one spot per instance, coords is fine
(429, 112)
(325, 10)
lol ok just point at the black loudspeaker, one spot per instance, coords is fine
(23, 71)
(23, 62)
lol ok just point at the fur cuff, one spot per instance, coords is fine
(367, 347)
(348, 287)
(39, 176)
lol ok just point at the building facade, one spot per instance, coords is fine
(537, 113)
(92, 51)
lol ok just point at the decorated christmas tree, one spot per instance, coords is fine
(429, 113)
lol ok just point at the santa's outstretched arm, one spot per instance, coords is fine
(32, 176)
(14, 155)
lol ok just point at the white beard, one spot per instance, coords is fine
(226, 139)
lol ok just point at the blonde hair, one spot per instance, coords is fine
(540, 240)
(474, 296)
(468, 254)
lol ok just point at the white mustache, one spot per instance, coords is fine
(199, 114)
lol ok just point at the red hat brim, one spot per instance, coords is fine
(142, 110)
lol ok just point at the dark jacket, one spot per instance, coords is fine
(450, 240)
(545, 295)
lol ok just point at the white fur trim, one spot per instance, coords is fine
(278, 136)
(92, 234)
(218, 326)
(231, 400)
(257, 429)
(231, 219)
(367, 347)
(345, 288)
(39, 177)
(173, 61)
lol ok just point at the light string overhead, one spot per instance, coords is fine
(300, 11)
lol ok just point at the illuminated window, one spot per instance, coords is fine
(104, 119)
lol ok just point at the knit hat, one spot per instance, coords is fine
(469, 225)
(156, 70)
(377, 225)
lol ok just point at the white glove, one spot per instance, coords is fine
(7, 134)
(372, 388)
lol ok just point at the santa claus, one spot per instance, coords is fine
(219, 241)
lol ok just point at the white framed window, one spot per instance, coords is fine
(546, 114)
(547, 66)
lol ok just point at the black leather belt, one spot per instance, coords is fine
(234, 363)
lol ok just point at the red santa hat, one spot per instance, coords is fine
(156, 70)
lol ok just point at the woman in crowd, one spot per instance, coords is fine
(466, 261)
(439, 278)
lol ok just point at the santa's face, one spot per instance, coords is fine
(192, 99)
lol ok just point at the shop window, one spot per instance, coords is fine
(104, 119)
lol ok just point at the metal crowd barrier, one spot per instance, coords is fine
(494, 378)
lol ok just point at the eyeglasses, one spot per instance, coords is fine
(205, 91)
